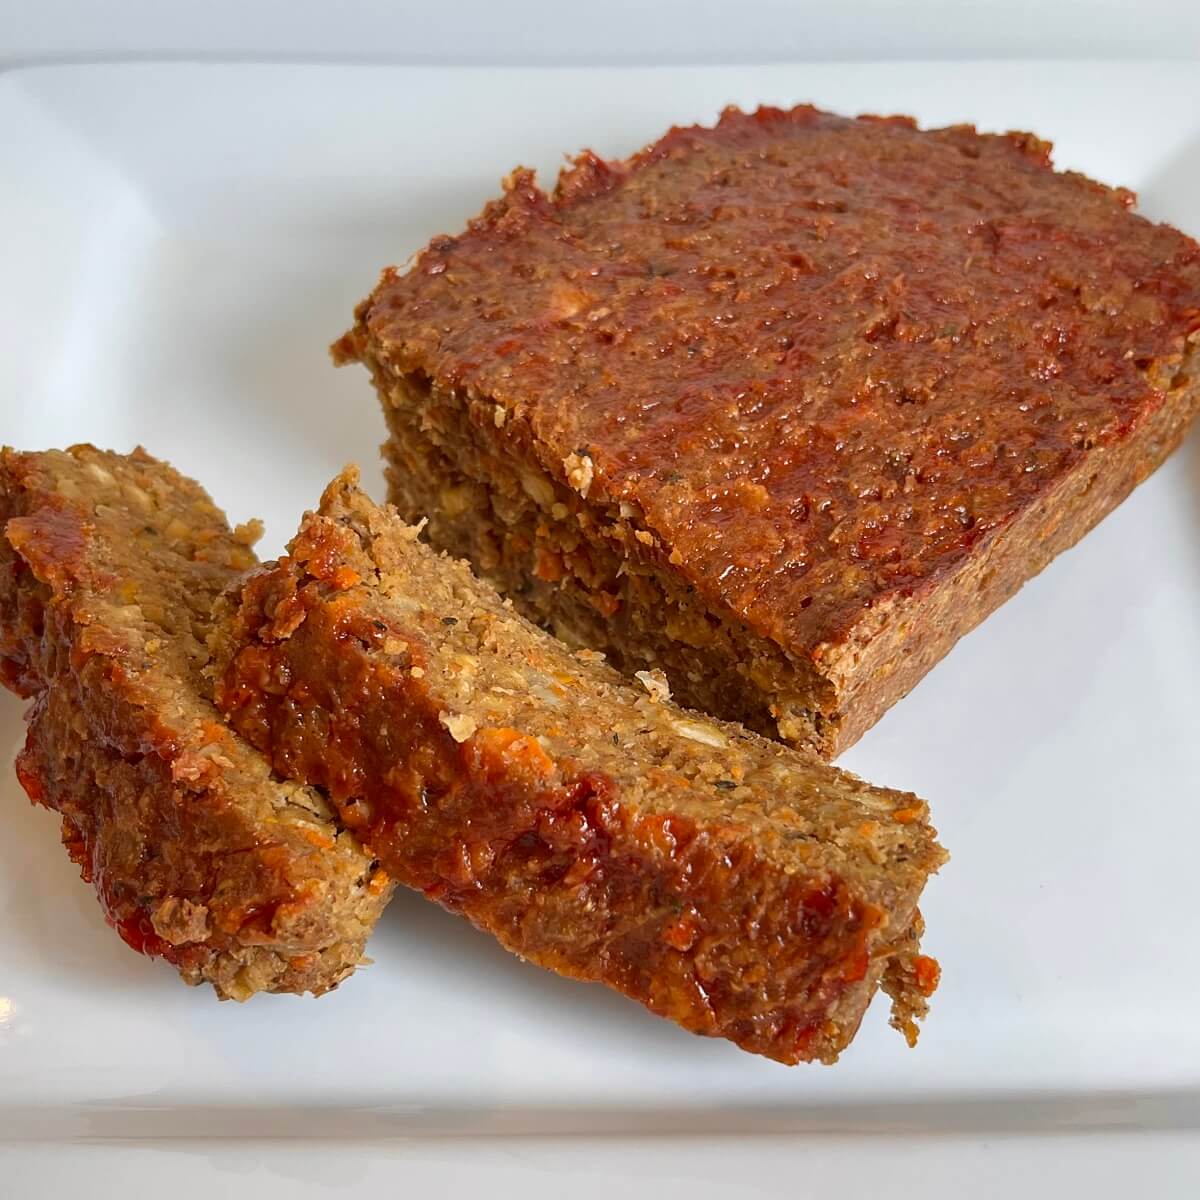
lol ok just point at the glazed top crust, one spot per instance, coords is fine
(822, 360)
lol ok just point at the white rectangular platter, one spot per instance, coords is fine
(179, 243)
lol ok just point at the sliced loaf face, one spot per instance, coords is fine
(787, 405)
(109, 568)
(740, 888)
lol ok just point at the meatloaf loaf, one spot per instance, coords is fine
(109, 567)
(785, 406)
(738, 887)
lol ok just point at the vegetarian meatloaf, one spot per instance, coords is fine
(738, 887)
(786, 406)
(109, 567)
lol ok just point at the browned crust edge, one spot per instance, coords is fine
(895, 644)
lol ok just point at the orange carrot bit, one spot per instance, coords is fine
(681, 933)
(549, 565)
(927, 972)
(316, 837)
(344, 577)
(514, 747)
(605, 603)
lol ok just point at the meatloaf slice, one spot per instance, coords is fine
(738, 887)
(109, 567)
(785, 406)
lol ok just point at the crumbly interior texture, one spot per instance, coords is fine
(579, 571)
(109, 568)
(795, 400)
(741, 888)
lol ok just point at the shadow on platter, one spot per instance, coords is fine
(418, 935)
